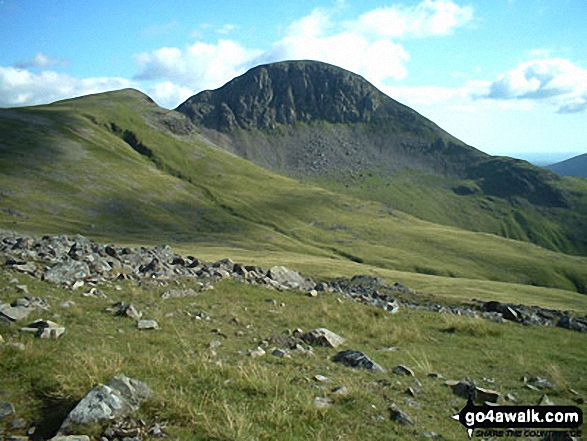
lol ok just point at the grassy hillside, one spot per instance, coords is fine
(75, 167)
(332, 128)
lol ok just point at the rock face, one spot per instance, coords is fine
(289, 93)
(118, 398)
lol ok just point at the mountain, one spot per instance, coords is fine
(330, 127)
(116, 167)
(576, 166)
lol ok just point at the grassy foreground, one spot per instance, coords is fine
(221, 393)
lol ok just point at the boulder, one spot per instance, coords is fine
(67, 272)
(290, 278)
(357, 359)
(400, 416)
(323, 337)
(45, 329)
(6, 410)
(116, 399)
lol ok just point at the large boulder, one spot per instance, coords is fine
(116, 399)
(323, 337)
(289, 278)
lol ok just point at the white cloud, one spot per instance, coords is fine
(199, 66)
(39, 61)
(168, 94)
(428, 18)
(555, 81)
(20, 87)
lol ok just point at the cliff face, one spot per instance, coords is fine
(292, 92)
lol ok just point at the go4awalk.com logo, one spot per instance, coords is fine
(519, 421)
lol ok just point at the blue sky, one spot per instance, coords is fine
(506, 76)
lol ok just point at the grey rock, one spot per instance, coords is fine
(323, 337)
(323, 402)
(118, 398)
(70, 438)
(463, 389)
(357, 359)
(541, 383)
(67, 272)
(147, 324)
(403, 370)
(259, 352)
(6, 410)
(488, 395)
(290, 278)
(545, 401)
(400, 416)
(11, 314)
(126, 310)
(178, 294)
(45, 329)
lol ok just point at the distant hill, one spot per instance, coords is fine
(331, 127)
(576, 166)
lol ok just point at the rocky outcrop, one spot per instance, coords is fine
(116, 399)
(290, 93)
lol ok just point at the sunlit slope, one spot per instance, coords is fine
(108, 167)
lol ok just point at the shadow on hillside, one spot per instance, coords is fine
(54, 410)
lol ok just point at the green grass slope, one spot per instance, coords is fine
(332, 128)
(108, 166)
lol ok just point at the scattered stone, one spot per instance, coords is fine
(323, 402)
(312, 293)
(403, 370)
(323, 337)
(70, 438)
(510, 398)
(214, 344)
(463, 389)
(541, 383)
(147, 324)
(400, 416)
(435, 375)
(126, 310)
(487, 396)
(67, 272)
(22, 289)
(340, 390)
(432, 435)
(259, 352)
(118, 398)
(6, 410)
(357, 359)
(94, 292)
(45, 329)
(411, 391)
(178, 294)
(545, 401)
(280, 353)
(11, 314)
(321, 378)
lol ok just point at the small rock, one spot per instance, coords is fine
(71, 438)
(357, 359)
(22, 289)
(400, 416)
(312, 293)
(1, 339)
(541, 383)
(259, 352)
(323, 402)
(462, 389)
(6, 410)
(403, 370)
(18, 346)
(436, 375)
(545, 401)
(214, 344)
(280, 353)
(147, 324)
(45, 329)
(487, 395)
(340, 390)
(323, 337)
(321, 378)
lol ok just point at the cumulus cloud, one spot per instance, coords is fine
(556, 81)
(364, 45)
(20, 87)
(428, 18)
(39, 61)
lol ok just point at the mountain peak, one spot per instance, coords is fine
(290, 92)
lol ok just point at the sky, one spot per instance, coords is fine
(508, 77)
